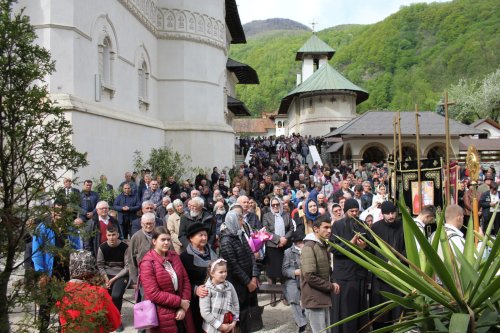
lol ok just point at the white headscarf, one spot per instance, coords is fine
(279, 223)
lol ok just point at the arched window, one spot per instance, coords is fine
(106, 62)
(143, 81)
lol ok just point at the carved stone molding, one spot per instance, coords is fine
(171, 23)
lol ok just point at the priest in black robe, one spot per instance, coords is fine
(390, 229)
(351, 277)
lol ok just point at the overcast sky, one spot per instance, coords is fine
(327, 13)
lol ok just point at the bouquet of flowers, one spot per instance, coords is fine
(258, 238)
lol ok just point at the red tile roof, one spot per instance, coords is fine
(253, 125)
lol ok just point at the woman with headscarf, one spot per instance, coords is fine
(311, 213)
(281, 227)
(86, 306)
(242, 271)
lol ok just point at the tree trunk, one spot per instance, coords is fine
(4, 307)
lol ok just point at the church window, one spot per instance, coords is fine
(106, 62)
(143, 78)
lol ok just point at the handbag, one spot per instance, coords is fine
(145, 315)
(254, 318)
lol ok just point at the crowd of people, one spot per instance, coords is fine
(187, 246)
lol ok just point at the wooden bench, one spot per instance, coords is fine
(266, 288)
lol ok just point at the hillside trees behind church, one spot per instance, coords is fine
(476, 99)
(34, 148)
(408, 58)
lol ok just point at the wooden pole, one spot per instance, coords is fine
(394, 123)
(419, 181)
(447, 125)
(399, 138)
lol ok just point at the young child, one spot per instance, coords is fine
(220, 309)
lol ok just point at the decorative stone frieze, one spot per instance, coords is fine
(171, 23)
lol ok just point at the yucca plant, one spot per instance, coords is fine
(465, 300)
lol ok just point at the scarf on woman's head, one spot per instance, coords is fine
(309, 215)
(232, 223)
(279, 223)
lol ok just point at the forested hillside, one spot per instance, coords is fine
(407, 59)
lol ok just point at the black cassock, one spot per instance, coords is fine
(352, 279)
(391, 233)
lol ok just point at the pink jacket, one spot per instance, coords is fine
(159, 288)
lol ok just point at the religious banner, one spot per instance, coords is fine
(405, 181)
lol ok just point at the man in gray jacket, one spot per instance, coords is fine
(315, 276)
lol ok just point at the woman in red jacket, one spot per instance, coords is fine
(85, 306)
(166, 284)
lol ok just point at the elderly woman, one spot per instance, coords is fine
(195, 260)
(85, 306)
(166, 284)
(173, 223)
(279, 224)
(242, 271)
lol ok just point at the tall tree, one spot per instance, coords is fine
(35, 146)
(476, 99)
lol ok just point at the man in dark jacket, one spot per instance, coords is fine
(146, 207)
(127, 205)
(367, 195)
(196, 214)
(95, 230)
(88, 201)
(350, 276)
(251, 218)
(488, 201)
(315, 285)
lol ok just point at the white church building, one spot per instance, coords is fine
(140, 74)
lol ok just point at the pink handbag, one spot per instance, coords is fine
(145, 315)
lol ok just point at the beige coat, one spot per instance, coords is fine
(173, 223)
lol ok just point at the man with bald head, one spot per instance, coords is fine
(128, 180)
(249, 217)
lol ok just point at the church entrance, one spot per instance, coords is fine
(437, 152)
(409, 153)
(374, 154)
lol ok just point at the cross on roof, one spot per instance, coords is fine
(314, 24)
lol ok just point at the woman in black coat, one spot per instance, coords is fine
(242, 271)
(195, 260)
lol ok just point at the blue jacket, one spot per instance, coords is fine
(43, 239)
(88, 203)
(133, 203)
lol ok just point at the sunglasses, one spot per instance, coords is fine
(275, 205)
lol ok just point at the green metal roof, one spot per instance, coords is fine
(314, 45)
(326, 78)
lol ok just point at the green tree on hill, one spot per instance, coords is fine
(409, 58)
